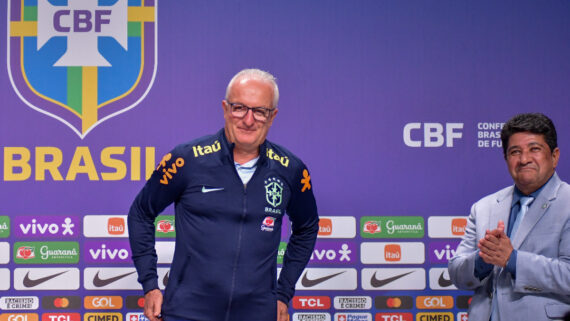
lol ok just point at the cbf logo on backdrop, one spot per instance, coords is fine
(82, 61)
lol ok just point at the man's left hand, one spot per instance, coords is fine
(496, 248)
(282, 311)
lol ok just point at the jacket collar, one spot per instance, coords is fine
(228, 149)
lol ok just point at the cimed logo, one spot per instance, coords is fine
(82, 61)
(273, 191)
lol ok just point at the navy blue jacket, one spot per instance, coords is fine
(227, 233)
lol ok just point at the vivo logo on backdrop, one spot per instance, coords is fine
(432, 134)
(442, 251)
(334, 252)
(107, 251)
(46, 226)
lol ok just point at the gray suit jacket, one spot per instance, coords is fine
(541, 290)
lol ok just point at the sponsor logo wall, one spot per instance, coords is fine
(396, 115)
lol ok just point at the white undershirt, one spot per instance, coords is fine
(246, 170)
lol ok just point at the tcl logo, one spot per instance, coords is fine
(394, 317)
(434, 302)
(116, 226)
(432, 134)
(103, 302)
(61, 317)
(19, 317)
(392, 252)
(458, 226)
(312, 302)
(325, 226)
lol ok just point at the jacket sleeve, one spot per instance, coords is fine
(302, 211)
(462, 266)
(164, 187)
(537, 273)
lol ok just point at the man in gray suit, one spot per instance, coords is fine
(515, 253)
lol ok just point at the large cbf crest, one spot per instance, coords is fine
(82, 61)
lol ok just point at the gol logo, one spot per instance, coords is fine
(61, 317)
(434, 302)
(372, 227)
(103, 302)
(19, 317)
(325, 226)
(392, 252)
(165, 226)
(116, 226)
(394, 317)
(458, 226)
(311, 302)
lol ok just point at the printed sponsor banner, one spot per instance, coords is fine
(19, 317)
(352, 316)
(330, 252)
(434, 302)
(165, 226)
(440, 252)
(163, 274)
(111, 316)
(439, 279)
(108, 251)
(311, 317)
(327, 279)
(46, 252)
(110, 279)
(19, 303)
(394, 302)
(103, 302)
(394, 279)
(352, 302)
(4, 279)
(105, 226)
(392, 253)
(311, 302)
(4, 226)
(446, 226)
(4, 252)
(394, 316)
(165, 252)
(392, 227)
(136, 317)
(61, 316)
(134, 302)
(47, 226)
(463, 301)
(281, 252)
(429, 316)
(46, 279)
(61, 302)
(337, 227)
(462, 316)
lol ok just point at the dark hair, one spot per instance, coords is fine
(535, 123)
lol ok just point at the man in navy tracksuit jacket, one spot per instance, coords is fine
(230, 190)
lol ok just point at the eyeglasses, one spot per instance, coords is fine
(259, 113)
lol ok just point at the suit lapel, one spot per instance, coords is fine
(537, 209)
(502, 210)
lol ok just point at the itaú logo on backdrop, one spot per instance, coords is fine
(432, 134)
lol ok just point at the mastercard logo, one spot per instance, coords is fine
(61, 302)
(394, 302)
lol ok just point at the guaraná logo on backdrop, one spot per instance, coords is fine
(82, 61)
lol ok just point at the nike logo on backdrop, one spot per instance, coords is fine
(29, 283)
(208, 190)
(98, 282)
(443, 282)
(165, 279)
(306, 282)
(381, 282)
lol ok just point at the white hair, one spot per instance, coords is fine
(256, 74)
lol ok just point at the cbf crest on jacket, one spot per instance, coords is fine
(227, 233)
(82, 61)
